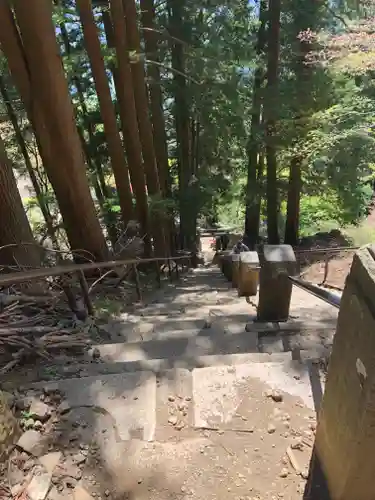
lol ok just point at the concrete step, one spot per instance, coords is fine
(189, 346)
(160, 366)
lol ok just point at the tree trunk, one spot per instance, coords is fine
(93, 163)
(47, 91)
(305, 17)
(253, 191)
(138, 76)
(9, 428)
(107, 110)
(156, 95)
(124, 91)
(271, 106)
(14, 228)
(294, 196)
(182, 113)
(29, 167)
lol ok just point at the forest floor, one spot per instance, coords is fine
(183, 397)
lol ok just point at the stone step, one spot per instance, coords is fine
(160, 365)
(209, 342)
(141, 404)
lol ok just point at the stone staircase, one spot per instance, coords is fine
(188, 397)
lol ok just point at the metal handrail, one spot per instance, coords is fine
(329, 297)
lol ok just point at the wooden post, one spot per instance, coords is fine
(137, 283)
(85, 293)
(169, 270)
(343, 461)
(248, 274)
(177, 272)
(158, 278)
(275, 289)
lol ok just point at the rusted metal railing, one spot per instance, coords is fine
(329, 297)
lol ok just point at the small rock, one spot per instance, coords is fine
(207, 324)
(39, 486)
(180, 425)
(173, 420)
(80, 458)
(220, 431)
(305, 474)
(50, 460)
(94, 353)
(51, 389)
(277, 396)
(271, 429)
(107, 493)
(80, 493)
(284, 472)
(171, 398)
(23, 404)
(188, 398)
(38, 425)
(297, 444)
(39, 411)
(64, 407)
(31, 441)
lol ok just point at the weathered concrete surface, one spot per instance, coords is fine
(129, 399)
(346, 432)
(219, 391)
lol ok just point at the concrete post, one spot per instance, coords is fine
(235, 269)
(343, 465)
(249, 274)
(275, 290)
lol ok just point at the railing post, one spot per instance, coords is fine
(137, 282)
(85, 293)
(158, 278)
(169, 270)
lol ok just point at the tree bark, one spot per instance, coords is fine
(305, 17)
(100, 186)
(156, 95)
(270, 116)
(29, 167)
(142, 109)
(253, 191)
(116, 38)
(293, 204)
(47, 92)
(14, 227)
(107, 110)
(182, 120)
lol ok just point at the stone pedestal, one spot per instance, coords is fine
(248, 274)
(235, 269)
(275, 289)
(343, 466)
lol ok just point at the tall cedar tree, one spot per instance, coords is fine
(182, 118)
(304, 18)
(254, 161)
(143, 116)
(100, 186)
(156, 96)
(270, 107)
(50, 91)
(107, 110)
(116, 37)
(14, 228)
